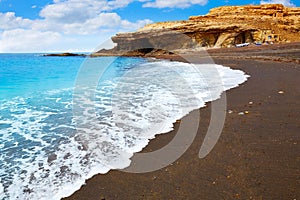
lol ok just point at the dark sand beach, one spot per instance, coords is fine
(257, 155)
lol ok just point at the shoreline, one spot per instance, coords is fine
(256, 156)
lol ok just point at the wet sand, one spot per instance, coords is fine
(257, 155)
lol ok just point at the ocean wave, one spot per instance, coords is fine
(50, 150)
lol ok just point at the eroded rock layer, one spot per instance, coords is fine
(221, 27)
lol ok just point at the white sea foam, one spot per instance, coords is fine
(127, 112)
(1, 191)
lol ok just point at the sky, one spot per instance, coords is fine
(85, 25)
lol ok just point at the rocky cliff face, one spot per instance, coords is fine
(221, 27)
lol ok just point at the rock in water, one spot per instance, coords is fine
(64, 54)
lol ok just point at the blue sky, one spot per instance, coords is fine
(83, 25)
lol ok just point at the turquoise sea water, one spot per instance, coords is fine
(22, 74)
(65, 119)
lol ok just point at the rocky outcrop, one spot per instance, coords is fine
(65, 54)
(221, 27)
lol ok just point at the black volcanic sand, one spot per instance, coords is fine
(257, 155)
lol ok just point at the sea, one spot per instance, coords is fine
(66, 119)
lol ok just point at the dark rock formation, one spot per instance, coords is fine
(65, 54)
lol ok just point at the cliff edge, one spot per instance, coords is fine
(222, 27)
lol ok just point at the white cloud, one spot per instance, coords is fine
(284, 2)
(129, 26)
(112, 5)
(102, 22)
(65, 22)
(173, 3)
(79, 10)
(21, 40)
(10, 21)
(84, 16)
(72, 10)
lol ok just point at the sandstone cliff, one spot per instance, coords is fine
(221, 27)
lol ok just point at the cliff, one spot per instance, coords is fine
(221, 27)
